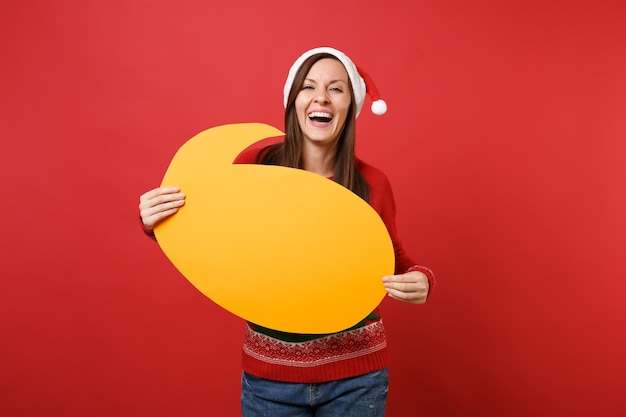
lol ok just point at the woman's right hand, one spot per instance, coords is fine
(159, 203)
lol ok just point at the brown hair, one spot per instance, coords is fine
(289, 152)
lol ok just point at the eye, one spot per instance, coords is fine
(308, 87)
(336, 89)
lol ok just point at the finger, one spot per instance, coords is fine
(155, 192)
(412, 286)
(149, 221)
(155, 199)
(410, 297)
(162, 215)
(400, 286)
(399, 282)
(161, 207)
(413, 276)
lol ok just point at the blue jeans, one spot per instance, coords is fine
(361, 396)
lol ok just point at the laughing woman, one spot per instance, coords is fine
(321, 375)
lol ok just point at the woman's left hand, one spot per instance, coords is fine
(411, 287)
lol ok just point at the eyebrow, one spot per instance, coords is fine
(331, 82)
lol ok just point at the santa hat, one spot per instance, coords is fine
(362, 83)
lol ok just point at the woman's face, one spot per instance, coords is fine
(323, 102)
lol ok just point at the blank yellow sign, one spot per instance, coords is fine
(280, 247)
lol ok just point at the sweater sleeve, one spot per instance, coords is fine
(382, 200)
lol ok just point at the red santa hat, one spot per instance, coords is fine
(362, 83)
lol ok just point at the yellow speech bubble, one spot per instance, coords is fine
(281, 247)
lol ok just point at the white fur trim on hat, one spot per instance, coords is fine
(358, 84)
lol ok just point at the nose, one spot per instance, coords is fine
(322, 97)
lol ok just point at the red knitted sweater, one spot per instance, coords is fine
(361, 349)
(317, 358)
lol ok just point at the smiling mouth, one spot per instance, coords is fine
(320, 117)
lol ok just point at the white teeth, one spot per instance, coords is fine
(321, 114)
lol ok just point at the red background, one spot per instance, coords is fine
(504, 142)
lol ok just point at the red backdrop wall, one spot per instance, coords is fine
(504, 142)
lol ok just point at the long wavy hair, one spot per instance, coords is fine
(289, 152)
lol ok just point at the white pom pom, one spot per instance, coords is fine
(379, 107)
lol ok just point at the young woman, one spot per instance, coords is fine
(327, 375)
